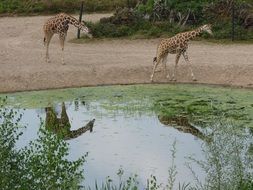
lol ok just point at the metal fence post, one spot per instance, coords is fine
(80, 20)
(233, 21)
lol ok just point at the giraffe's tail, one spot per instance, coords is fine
(155, 59)
(44, 41)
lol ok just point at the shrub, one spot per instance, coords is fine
(54, 6)
(41, 165)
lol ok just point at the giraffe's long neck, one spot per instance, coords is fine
(78, 132)
(193, 34)
(73, 21)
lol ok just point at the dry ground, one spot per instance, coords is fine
(23, 67)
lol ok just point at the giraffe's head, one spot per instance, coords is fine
(207, 28)
(86, 30)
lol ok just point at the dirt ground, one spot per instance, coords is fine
(23, 66)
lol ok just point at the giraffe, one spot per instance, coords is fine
(178, 45)
(59, 24)
(61, 126)
(182, 124)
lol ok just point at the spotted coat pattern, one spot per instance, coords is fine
(59, 24)
(178, 45)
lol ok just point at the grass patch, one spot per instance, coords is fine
(200, 104)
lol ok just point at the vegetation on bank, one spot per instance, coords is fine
(199, 104)
(150, 18)
(164, 18)
(55, 6)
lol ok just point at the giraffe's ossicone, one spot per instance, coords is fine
(59, 24)
(178, 45)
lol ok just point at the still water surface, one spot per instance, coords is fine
(137, 140)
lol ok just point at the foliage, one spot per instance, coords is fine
(173, 10)
(11, 161)
(173, 169)
(140, 29)
(54, 6)
(193, 13)
(227, 164)
(130, 184)
(197, 11)
(41, 165)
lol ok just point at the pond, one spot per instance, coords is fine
(136, 127)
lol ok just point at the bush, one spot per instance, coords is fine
(55, 6)
(141, 29)
(41, 165)
(128, 22)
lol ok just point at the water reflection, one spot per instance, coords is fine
(62, 126)
(182, 124)
(133, 137)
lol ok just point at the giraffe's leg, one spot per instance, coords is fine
(164, 61)
(48, 38)
(174, 75)
(62, 40)
(188, 62)
(154, 68)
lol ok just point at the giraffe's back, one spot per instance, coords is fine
(166, 46)
(56, 24)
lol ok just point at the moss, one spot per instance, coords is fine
(197, 103)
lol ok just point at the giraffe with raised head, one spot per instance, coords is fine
(59, 24)
(178, 45)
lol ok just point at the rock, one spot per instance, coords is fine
(248, 22)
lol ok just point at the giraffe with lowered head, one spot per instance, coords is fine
(178, 45)
(59, 24)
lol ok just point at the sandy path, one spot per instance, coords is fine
(22, 65)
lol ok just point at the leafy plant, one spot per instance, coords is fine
(41, 165)
(130, 184)
(227, 164)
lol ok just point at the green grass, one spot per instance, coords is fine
(200, 104)
(54, 6)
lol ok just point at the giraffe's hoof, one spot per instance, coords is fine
(194, 79)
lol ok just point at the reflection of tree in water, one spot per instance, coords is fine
(61, 126)
(182, 124)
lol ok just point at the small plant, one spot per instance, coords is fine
(172, 170)
(130, 184)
